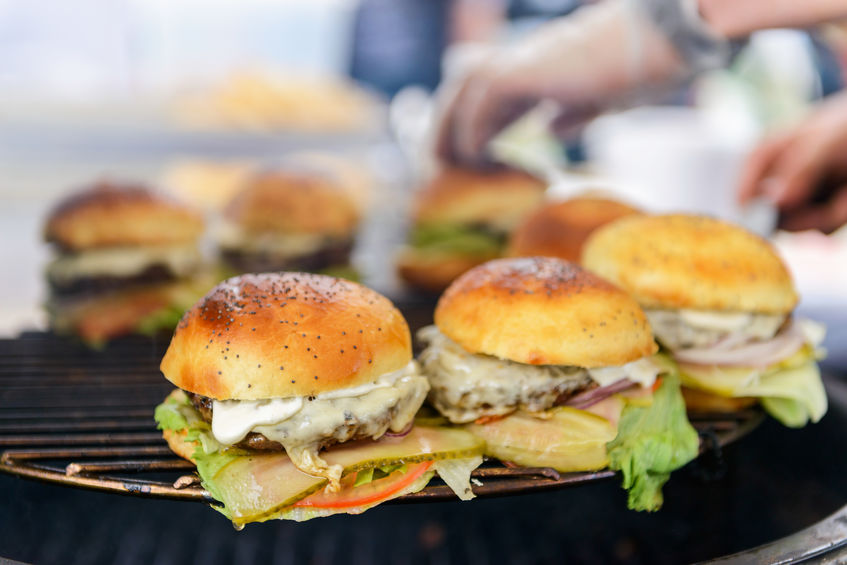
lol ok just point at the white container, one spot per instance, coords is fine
(667, 159)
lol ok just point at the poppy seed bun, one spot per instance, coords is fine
(277, 335)
(433, 272)
(459, 196)
(559, 229)
(111, 215)
(543, 311)
(293, 202)
(687, 261)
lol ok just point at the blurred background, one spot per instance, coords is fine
(187, 96)
(193, 97)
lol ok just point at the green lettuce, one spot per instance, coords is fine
(342, 272)
(467, 240)
(177, 414)
(166, 318)
(651, 442)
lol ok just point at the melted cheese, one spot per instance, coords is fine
(642, 371)
(123, 262)
(677, 329)
(303, 424)
(233, 237)
(466, 386)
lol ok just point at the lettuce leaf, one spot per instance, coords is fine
(166, 318)
(466, 240)
(177, 414)
(456, 474)
(342, 272)
(791, 391)
(651, 442)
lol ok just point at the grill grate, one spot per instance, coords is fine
(84, 418)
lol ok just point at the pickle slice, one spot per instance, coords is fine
(254, 488)
(567, 439)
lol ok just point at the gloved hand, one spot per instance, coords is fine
(803, 170)
(600, 56)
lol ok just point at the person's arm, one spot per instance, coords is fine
(604, 55)
(803, 170)
(740, 18)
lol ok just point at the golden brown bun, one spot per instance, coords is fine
(433, 272)
(543, 311)
(460, 196)
(108, 215)
(277, 335)
(702, 401)
(559, 229)
(687, 261)
(294, 202)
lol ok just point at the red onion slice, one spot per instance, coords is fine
(585, 399)
(757, 354)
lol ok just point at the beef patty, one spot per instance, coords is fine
(261, 262)
(88, 286)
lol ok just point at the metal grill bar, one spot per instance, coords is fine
(72, 416)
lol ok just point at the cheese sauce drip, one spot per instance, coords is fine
(466, 386)
(680, 329)
(302, 425)
(123, 262)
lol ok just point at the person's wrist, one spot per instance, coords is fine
(732, 19)
(681, 22)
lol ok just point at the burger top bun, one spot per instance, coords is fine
(559, 229)
(278, 335)
(460, 196)
(543, 311)
(687, 261)
(294, 201)
(112, 215)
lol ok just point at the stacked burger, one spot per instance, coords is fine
(126, 261)
(551, 366)
(720, 301)
(290, 219)
(462, 218)
(296, 398)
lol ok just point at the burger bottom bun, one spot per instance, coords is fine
(178, 444)
(433, 272)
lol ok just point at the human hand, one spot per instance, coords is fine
(585, 62)
(804, 170)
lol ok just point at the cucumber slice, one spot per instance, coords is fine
(566, 439)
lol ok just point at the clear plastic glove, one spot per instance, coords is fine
(600, 56)
(803, 170)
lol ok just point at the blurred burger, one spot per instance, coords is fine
(290, 219)
(559, 229)
(552, 367)
(462, 218)
(126, 261)
(720, 301)
(297, 397)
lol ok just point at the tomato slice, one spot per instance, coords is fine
(370, 493)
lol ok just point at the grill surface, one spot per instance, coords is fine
(85, 418)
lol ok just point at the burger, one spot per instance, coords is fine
(296, 398)
(720, 301)
(292, 219)
(461, 219)
(559, 229)
(551, 366)
(125, 261)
